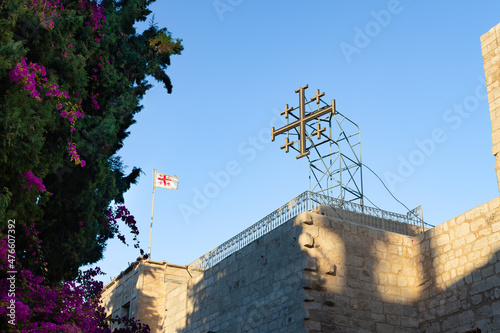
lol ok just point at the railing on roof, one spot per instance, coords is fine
(404, 224)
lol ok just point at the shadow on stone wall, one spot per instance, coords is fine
(317, 273)
(257, 289)
(471, 301)
(395, 283)
(147, 300)
(355, 287)
(138, 287)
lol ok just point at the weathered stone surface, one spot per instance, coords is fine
(370, 281)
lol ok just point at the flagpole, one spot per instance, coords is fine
(152, 209)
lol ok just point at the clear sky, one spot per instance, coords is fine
(409, 73)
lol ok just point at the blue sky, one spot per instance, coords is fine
(409, 73)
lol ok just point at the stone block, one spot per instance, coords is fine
(462, 230)
(485, 251)
(452, 307)
(377, 317)
(484, 232)
(312, 325)
(484, 312)
(476, 299)
(433, 328)
(304, 218)
(460, 219)
(396, 268)
(449, 323)
(341, 301)
(493, 204)
(391, 308)
(466, 317)
(410, 322)
(312, 230)
(470, 238)
(306, 240)
(492, 282)
(384, 266)
(384, 328)
(383, 279)
(402, 281)
(494, 241)
(311, 264)
(480, 243)
(478, 287)
(473, 213)
(450, 264)
(442, 240)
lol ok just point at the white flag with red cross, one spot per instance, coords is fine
(166, 181)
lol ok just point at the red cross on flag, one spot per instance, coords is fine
(166, 181)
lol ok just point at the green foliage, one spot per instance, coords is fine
(105, 68)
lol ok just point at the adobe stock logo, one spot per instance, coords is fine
(223, 6)
(373, 28)
(247, 151)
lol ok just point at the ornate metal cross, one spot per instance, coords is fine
(302, 120)
(335, 158)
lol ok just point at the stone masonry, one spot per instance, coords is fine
(318, 273)
(321, 272)
(490, 43)
(140, 291)
(367, 280)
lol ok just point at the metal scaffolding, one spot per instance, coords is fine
(333, 151)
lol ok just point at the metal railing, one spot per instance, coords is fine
(409, 224)
(349, 211)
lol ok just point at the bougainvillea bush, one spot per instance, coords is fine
(72, 74)
(72, 306)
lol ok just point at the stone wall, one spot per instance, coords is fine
(461, 272)
(319, 273)
(257, 289)
(358, 279)
(142, 288)
(490, 44)
(122, 291)
(361, 279)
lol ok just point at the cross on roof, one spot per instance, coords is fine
(317, 97)
(287, 111)
(287, 145)
(302, 120)
(319, 131)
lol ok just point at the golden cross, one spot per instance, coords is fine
(286, 145)
(318, 131)
(318, 95)
(287, 110)
(303, 119)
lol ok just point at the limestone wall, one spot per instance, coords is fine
(257, 289)
(176, 308)
(490, 44)
(461, 272)
(122, 290)
(143, 287)
(358, 279)
(320, 273)
(368, 280)
(362, 279)
(315, 273)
